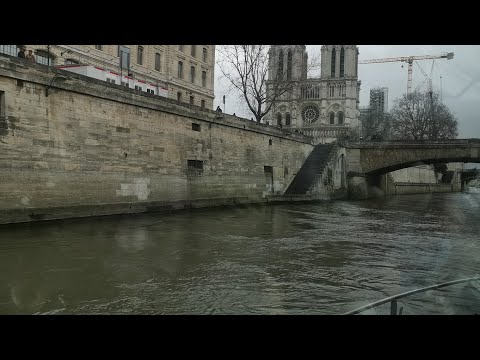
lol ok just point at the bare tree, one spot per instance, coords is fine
(246, 68)
(423, 116)
(376, 125)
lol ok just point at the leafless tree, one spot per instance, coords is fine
(421, 115)
(376, 125)
(246, 68)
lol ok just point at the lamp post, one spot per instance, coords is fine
(48, 55)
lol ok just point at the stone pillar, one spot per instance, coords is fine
(357, 188)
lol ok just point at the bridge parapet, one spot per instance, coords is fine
(395, 144)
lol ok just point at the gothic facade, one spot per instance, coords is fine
(324, 107)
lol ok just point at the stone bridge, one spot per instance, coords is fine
(357, 170)
(366, 162)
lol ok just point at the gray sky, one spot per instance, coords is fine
(460, 79)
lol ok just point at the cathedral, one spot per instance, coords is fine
(325, 107)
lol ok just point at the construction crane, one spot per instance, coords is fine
(409, 60)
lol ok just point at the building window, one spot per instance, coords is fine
(193, 50)
(331, 89)
(112, 81)
(287, 120)
(99, 47)
(138, 88)
(342, 62)
(203, 104)
(280, 65)
(191, 100)
(204, 58)
(43, 57)
(340, 118)
(157, 61)
(356, 63)
(9, 50)
(332, 118)
(289, 65)
(125, 84)
(279, 119)
(195, 167)
(180, 48)
(179, 96)
(71, 62)
(140, 55)
(150, 91)
(334, 59)
(310, 114)
(180, 70)
(195, 127)
(204, 78)
(192, 74)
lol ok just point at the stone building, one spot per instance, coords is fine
(186, 71)
(324, 107)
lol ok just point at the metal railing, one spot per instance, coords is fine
(393, 299)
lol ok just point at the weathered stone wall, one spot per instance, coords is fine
(417, 174)
(94, 148)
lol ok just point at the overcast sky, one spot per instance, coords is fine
(459, 83)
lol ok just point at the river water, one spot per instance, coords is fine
(301, 258)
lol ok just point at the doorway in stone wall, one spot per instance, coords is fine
(268, 171)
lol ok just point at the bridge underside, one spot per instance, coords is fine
(446, 160)
(368, 163)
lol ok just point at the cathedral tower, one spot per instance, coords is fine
(324, 107)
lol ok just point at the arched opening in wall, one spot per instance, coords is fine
(280, 65)
(287, 120)
(43, 57)
(289, 65)
(356, 63)
(179, 96)
(342, 62)
(279, 119)
(332, 118)
(340, 118)
(334, 59)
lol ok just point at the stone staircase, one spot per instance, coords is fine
(310, 170)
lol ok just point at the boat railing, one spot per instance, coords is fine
(393, 299)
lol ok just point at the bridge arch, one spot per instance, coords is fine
(378, 158)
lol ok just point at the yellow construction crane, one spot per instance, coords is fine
(409, 60)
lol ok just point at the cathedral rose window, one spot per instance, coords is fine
(310, 114)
